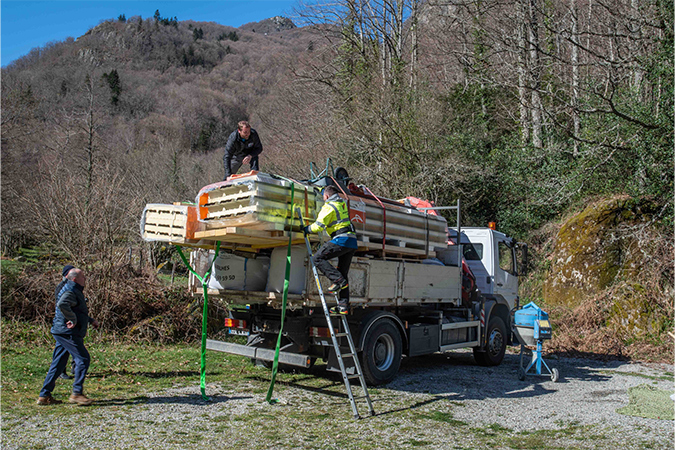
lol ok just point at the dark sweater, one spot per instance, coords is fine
(71, 306)
(240, 148)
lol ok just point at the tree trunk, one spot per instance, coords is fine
(635, 35)
(90, 130)
(413, 50)
(522, 75)
(535, 73)
(574, 55)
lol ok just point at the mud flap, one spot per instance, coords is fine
(332, 364)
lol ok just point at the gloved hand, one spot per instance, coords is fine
(305, 230)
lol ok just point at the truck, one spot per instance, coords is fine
(398, 308)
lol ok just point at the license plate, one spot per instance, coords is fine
(238, 332)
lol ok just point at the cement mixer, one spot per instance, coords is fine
(532, 328)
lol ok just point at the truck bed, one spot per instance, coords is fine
(371, 282)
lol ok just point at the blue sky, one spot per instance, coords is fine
(29, 24)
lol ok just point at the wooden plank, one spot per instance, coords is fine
(235, 232)
(251, 222)
(280, 243)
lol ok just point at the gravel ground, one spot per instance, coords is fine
(474, 407)
(588, 392)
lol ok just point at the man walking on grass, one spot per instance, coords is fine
(69, 329)
(67, 268)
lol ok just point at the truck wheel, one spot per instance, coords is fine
(495, 347)
(381, 356)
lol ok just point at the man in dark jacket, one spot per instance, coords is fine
(67, 268)
(69, 329)
(243, 147)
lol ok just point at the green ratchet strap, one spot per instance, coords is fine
(205, 313)
(275, 366)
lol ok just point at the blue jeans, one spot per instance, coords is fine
(65, 345)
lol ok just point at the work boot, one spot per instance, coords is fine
(337, 287)
(48, 400)
(339, 309)
(65, 376)
(80, 399)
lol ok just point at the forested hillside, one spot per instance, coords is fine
(527, 111)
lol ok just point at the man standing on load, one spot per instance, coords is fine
(243, 147)
(334, 219)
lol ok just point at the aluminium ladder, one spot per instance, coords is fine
(358, 373)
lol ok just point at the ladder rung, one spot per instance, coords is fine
(356, 375)
(347, 355)
(341, 334)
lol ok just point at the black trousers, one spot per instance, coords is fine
(238, 161)
(330, 250)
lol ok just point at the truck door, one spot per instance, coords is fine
(506, 281)
(478, 256)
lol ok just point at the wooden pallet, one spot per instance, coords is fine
(255, 239)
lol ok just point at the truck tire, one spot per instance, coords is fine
(495, 347)
(382, 350)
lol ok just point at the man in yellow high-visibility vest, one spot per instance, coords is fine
(334, 219)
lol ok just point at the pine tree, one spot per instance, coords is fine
(113, 80)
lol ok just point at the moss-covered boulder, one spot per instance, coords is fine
(593, 248)
(606, 261)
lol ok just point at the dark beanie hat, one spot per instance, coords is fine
(67, 269)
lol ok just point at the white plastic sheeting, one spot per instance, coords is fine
(238, 273)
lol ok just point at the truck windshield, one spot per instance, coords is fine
(473, 252)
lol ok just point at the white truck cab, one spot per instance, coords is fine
(492, 257)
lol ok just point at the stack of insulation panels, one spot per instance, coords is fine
(258, 201)
(263, 202)
(175, 223)
(403, 229)
(254, 211)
